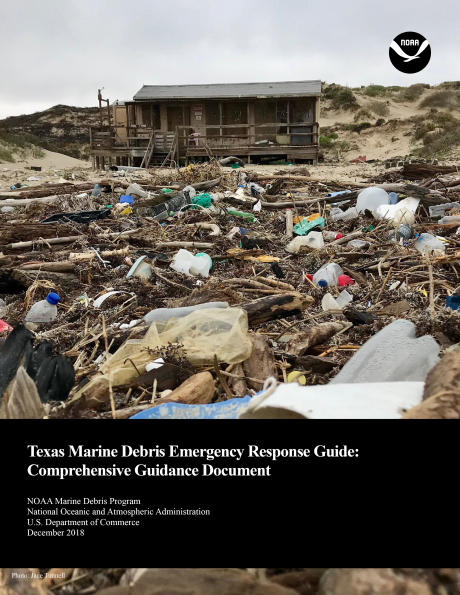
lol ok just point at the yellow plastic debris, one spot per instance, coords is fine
(297, 377)
(309, 218)
(263, 258)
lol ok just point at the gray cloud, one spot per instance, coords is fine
(62, 51)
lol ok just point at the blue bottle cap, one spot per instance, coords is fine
(322, 283)
(52, 298)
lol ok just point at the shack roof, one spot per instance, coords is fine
(229, 91)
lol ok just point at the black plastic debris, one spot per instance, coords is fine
(84, 217)
(35, 356)
(358, 318)
(248, 243)
(54, 376)
(277, 270)
(11, 354)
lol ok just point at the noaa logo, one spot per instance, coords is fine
(410, 52)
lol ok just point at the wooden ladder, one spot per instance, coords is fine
(169, 159)
(149, 151)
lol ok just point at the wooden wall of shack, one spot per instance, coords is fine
(196, 114)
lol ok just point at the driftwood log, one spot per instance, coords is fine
(275, 307)
(206, 185)
(419, 171)
(70, 239)
(43, 191)
(15, 232)
(289, 204)
(261, 363)
(23, 202)
(183, 245)
(58, 267)
(314, 335)
(315, 364)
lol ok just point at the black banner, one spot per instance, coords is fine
(235, 493)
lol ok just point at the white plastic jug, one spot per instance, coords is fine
(329, 273)
(402, 212)
(314, 241)
(190, 265)
(371, 199)
(329, 303)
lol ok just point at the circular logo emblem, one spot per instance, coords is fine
(410, 52)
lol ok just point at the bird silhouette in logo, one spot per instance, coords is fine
(394, 46)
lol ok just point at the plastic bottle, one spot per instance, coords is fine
(162, 315)
(137, 190)
(249, 216)
(404, 231)
(328, 273)
(371, 198)
(339, 215)
(392, 198)
(44, 311)
(332, 194)
(161, 211)
(358, 244)
(96, 190)
(426, 239)
(329, 236)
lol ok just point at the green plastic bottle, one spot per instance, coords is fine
(249, 216)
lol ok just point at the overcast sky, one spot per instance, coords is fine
(62, 51)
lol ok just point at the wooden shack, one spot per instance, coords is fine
(253, 121)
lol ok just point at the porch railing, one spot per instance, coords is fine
(132, 137)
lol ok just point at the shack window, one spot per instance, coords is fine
(235, 112)
(301, 110)
(146, 114)
(282, 115)
(265, 113)
(212, 115)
